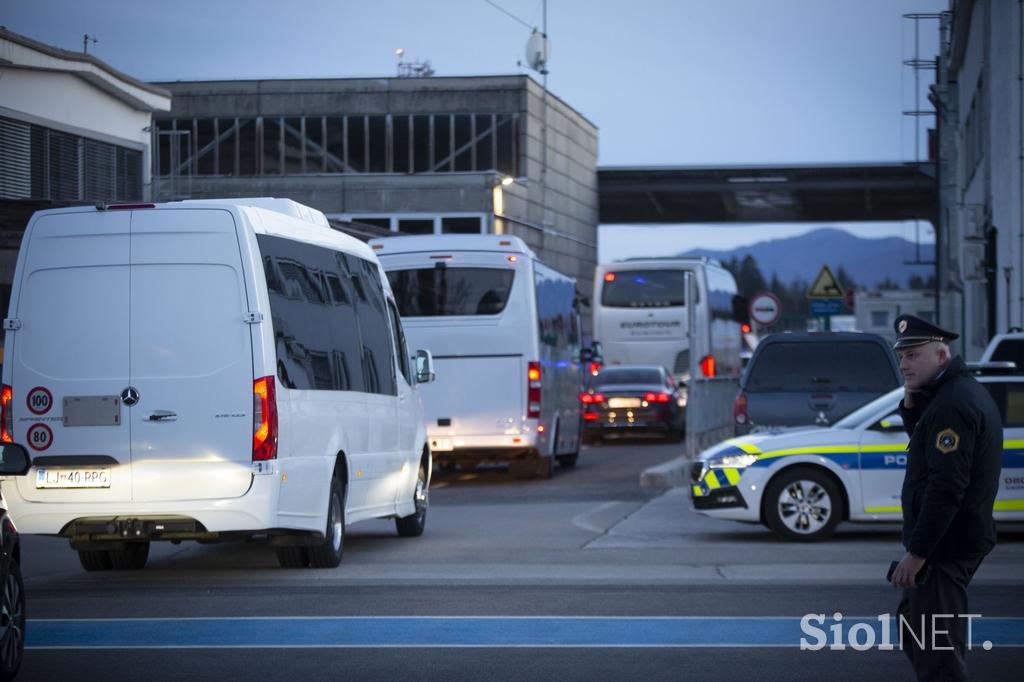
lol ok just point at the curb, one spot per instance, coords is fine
(671, 474)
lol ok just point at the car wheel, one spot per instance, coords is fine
(412, 526)
(12, 623)
(132, 558)
(804, 505)
(292, 557)
(328, 554)
(95, 559)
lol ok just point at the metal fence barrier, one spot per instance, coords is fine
(709, 412)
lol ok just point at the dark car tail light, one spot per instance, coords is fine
(6, 415)
(264, 420)
(739, 409)
(658, 397)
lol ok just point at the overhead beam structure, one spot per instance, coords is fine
(767, 194)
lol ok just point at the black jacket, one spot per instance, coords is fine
(953, 467)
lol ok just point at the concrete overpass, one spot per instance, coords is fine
(767, 194)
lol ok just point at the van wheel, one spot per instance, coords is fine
(292, 557)
(132, 558)
(802, 505)
(568, 461)
(95, 559)
(412, 526)
(12, 623)
(328, 554)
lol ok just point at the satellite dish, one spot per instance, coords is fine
(537, 49)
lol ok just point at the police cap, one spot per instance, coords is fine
(913, 331)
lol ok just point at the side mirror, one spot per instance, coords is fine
(894, 422)
(14, 460)
(424, 367)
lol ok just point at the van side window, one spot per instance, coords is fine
(316, 331)
(398, 335)
(375, 334)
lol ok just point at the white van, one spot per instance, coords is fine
(198, 369)
(640, 315)
(504, 331)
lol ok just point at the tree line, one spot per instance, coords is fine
(793, 295)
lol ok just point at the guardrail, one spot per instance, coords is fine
(709, 405)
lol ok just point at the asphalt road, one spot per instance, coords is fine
(583, 576)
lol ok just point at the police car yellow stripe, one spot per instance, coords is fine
(732, 475)
(748, 448)
(883, 510)
(1009, 505)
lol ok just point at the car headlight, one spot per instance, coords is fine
(732, 461)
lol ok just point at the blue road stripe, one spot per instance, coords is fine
(455, 632)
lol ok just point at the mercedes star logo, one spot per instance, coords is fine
(130, 396)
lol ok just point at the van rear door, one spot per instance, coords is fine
(70, 358)
(191, 357)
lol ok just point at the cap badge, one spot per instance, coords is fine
(903, 326)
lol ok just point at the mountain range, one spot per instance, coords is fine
(869, 262)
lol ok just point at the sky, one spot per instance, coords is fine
(667, 82)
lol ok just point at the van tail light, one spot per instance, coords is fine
(657, 397)
(264, 420)
(739, 409)
(6, 415)
(533, 391)
(707, 365)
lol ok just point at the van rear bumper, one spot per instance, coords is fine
(254, 511)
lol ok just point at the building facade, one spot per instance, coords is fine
(71, 127)
(979, 95)
(494, 154)
(876, 311)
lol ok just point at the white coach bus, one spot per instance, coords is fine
(640, 315)
(504, 332)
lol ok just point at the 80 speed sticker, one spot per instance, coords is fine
(40, 436)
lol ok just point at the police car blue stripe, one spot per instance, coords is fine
(460, 632)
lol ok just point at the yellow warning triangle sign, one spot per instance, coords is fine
(825, 285)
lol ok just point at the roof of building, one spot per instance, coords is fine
(87, 67)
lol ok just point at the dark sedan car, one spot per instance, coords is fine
(632, 399)
(14, 461)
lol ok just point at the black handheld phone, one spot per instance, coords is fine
(918, 579)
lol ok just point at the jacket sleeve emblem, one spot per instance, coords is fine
(947, 441)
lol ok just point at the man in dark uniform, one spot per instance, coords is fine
(950, 486)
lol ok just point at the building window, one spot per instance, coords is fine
(416, 226)
(40, 163)
(879, 318)
(461, 225)
(294, 145)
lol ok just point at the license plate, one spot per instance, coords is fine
(72, 478)
(441, 444)
(623, 402)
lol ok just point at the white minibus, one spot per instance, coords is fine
(504, 332)
(205, 369)
(640, 315)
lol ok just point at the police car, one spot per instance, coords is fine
(802, 482)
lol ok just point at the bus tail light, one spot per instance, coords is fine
(533, 390)
(6, 415)
(739, 409)
(707, 366)
(264, 420)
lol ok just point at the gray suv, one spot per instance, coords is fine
(805, 378)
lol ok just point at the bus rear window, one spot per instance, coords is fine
(429, 292)
(644, 289)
